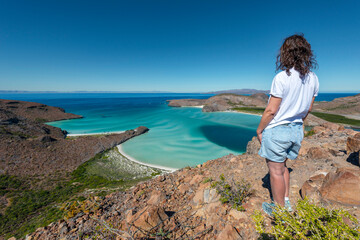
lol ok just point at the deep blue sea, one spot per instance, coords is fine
(178, 137)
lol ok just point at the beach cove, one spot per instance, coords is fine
(178, 137)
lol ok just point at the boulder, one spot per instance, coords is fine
(149, 217)
(343, 187)
(253, 146)
(353, 143)
(229, 233)
(318, 153)
(310, 188)
(353, 146)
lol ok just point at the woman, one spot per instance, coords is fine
(280, 131)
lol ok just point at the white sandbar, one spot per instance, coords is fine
(89, 134)
(142, 163)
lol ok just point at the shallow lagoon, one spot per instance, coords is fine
(178, 137)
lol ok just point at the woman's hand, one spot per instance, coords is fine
(259, 135)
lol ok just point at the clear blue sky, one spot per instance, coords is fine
(177, 45)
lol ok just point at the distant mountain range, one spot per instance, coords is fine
(240, 91)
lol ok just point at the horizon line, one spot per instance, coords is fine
(85, 91)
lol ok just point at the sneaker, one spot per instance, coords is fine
(288, 205)
(268, 208)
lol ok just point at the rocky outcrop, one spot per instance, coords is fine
(183, 203)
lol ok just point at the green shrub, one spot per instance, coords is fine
(309, 221)
(309, 133)
(336, 118)
(234, 193)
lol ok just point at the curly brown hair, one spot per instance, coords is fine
(296, 52)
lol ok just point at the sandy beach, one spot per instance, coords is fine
(119, 147)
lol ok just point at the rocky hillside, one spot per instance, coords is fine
(36, 111)
(223, 102)
(346, 106)
(30, 147)
(183, 204)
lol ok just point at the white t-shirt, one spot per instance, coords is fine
(296, 94)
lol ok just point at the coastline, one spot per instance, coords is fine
(232, 111)
(119, 147)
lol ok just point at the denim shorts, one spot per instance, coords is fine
(281, 142)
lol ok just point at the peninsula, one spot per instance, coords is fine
(345, 111)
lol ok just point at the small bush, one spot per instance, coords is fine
(309, 133)
(309, 221)
(234, 193)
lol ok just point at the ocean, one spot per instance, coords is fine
(178, 137)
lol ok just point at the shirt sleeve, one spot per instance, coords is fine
(277, 88)
(316, 89)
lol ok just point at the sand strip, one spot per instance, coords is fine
(145, 164)
(89, 134)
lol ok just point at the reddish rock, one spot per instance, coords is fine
(332, 126)
(196, 179)
(229, 233)
(310, 188)
(156, 197)
(318, 153)
(343, 186)
(353, 143)
(318, 129)
(149, 217)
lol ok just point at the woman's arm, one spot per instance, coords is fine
(268, 115)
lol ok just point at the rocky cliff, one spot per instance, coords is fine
(183, 204)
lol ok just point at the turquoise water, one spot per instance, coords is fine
(178, 137)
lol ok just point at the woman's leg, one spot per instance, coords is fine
(277, 181)
(287, 180)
